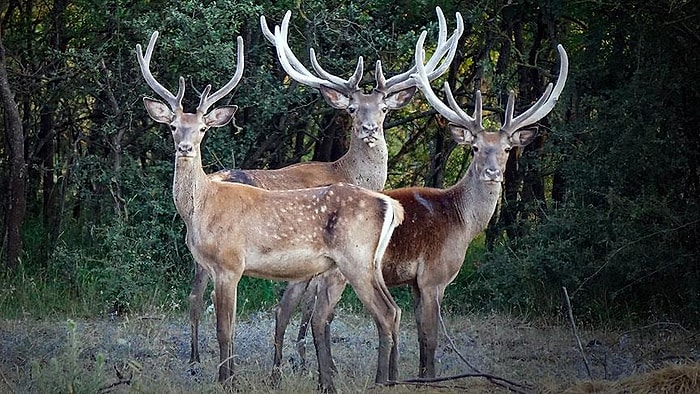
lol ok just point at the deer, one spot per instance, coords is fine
(428, 250)
(235, 229)
(365, 162)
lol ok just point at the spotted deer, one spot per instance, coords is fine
(235, 229)
(428, 250)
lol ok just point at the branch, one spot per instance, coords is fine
(573, 326)
(510, 385)
(498, 381)
(120, 380)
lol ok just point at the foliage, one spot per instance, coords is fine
(605, 203)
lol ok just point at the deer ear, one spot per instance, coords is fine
(220, 116)
(400, 98)
(334, 98)
(158, 111)
(523, 137)
(461, 135)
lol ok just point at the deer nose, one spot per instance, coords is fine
(370, 128)
(184, 147)
(493, 174)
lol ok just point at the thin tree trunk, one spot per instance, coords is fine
(16, 199)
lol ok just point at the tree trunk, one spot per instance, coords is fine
(16, 199)
(331, 144)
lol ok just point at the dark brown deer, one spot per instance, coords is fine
(235, 229)
(428, 250)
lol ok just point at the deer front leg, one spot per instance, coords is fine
(225, 291)
(426, 311)
(320, 332)
(308, 304)
(283, 313)
(201, 279)
(330, 287)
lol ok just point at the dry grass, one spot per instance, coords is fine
(149, 353)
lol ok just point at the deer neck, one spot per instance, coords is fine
(189, 184)
(476, 200)
(365, 166)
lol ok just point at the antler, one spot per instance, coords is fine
(453, 113)
(544, 105)
(300, 73)
(456, 115)
(444, 46)
(175, 102)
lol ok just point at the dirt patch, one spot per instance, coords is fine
(150, 353)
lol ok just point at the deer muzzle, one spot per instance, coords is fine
(493, 175)
(185, 149)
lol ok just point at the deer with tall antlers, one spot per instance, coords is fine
(428, 250)
(235, 229)
(364, 164)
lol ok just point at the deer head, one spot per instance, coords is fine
(188, 129)
(491, 149)
(367, 110)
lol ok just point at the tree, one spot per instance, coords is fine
(15, 198)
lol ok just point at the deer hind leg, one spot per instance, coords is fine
(283, 314)
(201, 279)
(376, 298)
(225, 292)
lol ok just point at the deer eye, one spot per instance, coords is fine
(203, 129)
(173, 128)
(475, 148)
(385, 109)
(507, 149)
(352, 110)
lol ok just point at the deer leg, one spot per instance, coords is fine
(201, 279)
(283, 313)
(225, 289)
(375, 297)
(323, 356)
(426, 311)
(308, 305)
(330, 288)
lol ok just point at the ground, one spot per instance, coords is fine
(150, 352)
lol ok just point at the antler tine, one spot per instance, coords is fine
(379, 76)
(351, 84)
(175, 102)
(266, 30)
(544, 104)
(294, 68)
(206, 101)
(291, 59)
(444, 46)
(453, 113)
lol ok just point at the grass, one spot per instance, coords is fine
(148, 352)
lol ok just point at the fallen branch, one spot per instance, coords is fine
(120, 380)
(573, 326)
(499, 381)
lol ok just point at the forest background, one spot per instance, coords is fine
(604, 203)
